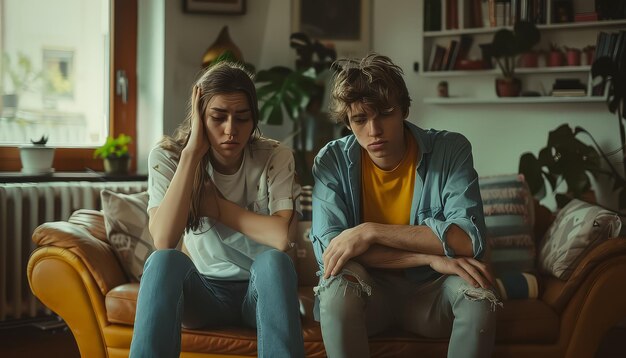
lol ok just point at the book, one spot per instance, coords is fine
(500, 14)
(569, 93)
(453, 56)
(437, 58)
(568, 84)
(586, 16)
(447, 58)
(492, 13)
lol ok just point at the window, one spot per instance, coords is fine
(58, 77)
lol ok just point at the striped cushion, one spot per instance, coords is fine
(517, 286)
(306, 202)
(509, 218)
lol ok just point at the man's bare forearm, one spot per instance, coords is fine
(417, 238)
(391, 258)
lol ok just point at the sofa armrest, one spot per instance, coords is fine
(557, 293)
(97, 256)
(59, 278)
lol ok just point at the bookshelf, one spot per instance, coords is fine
(441, 43)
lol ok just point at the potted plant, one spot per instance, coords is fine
(37, 158)
(529, 59)
(566, 159)
(556, 57)
(505, 47)
(300, 94)
(612, 70)
(589, 51)
(114, 153)
(572, 56)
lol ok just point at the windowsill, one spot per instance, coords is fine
(18, 177)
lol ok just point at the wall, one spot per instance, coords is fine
(499, 133)
(150, 77)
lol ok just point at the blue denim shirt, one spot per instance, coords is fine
(446, 192)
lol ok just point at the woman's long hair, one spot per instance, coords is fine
(221, 78)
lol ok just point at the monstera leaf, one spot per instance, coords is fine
(283, 88)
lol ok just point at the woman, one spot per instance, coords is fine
(232, 195)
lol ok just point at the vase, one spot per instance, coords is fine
(508, 87)
(222, 44)
(36, 159)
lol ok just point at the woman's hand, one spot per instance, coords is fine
(198, 143)
(471, 270)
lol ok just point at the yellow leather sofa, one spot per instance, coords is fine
(76, 274)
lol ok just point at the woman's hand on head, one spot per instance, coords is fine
(198, 142)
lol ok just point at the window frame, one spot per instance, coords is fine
(122, 116)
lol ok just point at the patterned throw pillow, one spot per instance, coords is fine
(509, 218)
(126, 222)
(578, 227)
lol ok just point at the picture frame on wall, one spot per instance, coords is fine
(223, 7)
(344, 25)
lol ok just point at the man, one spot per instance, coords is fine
(398, 226)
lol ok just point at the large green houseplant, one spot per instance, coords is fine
(567, 159)
(298, 93)
(612, 70)
(505, 47)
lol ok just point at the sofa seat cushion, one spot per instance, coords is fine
(519, 321)
(527, 321)
(121, 303)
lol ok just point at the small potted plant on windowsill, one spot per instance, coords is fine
(115, 155)
(37, 158)
(505, 48)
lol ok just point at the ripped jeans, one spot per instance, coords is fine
(359, 303)
(172, 291)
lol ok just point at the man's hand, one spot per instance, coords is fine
(350, 243)
(469, 269)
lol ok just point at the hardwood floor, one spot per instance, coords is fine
(31, 341)
(47, 338)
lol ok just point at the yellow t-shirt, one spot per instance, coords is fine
(386, 195)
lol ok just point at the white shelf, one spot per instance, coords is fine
(513, 100)
(518, 71)
(487, 30)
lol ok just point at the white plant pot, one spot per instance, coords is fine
(36, 159)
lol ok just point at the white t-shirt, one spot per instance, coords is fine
(264, 183)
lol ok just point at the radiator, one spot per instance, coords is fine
(23, 207)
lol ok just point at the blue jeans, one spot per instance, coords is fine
(358, 303)
(172, 292)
